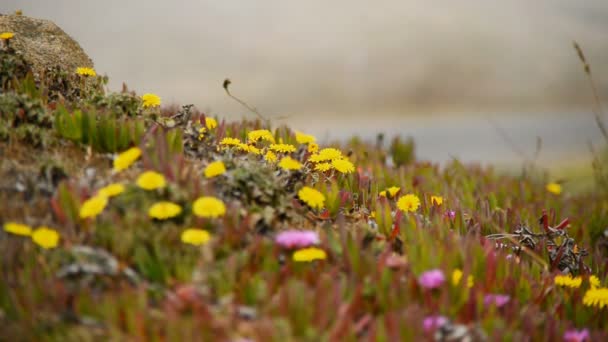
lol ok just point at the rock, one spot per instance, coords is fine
(43, 44)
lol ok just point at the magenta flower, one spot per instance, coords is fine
(432, 279)
(451, 214)
(497, 299)
(430, 323)
(297, 238)
(576, 335)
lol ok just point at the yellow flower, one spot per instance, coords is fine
(208, 207)
(230, 142)
(457, 276)
(568, 281)
(326, 154)
(164, 210)
(270, 157)
(194, 236)
(597, 297)
(45, 237)
(6, 35)
(126, 158)
(17, 228)
(111, 190)
(382, 193)
(392, 191)
(93, 206)
(594, 281)
(210, 123)
(215, 169)
(250, 148)
(302, 138)
(150, 100)
(151, 180)
(554, 188)
(201, 133)
(343, 165)
(84, 71)
(287, 163)
(408, 203)
(436, 200)
(312, 197)
(282, 148)
(313, 148)
(262, 134)
(309, 254)
(323, 167)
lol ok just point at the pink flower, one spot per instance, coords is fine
(497, 299)
(576, 335)
(297, 238)
(432, 279)
(451, 214)
(430, 323)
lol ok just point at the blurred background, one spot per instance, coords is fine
(458, 76)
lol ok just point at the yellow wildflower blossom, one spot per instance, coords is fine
(312, 197)
(568, 281)
(208, 207)
(45, 237)
(323, 167)
(594, 281)
(408, 203)
(287, 163)
(84, 71)
(196, 237)
(597, 297)
(260, 134)
(313, 148)
(436, 200)
(270, 157)
(164, 210)
(282, 148)
(302, 138)
(150, 100)
(215, 169)
(326, 154)
(126, 158)
(554, 188)
(210, 123)
(17, 229)
(93, 206)
(230, 142)
(343, 165)
(201, 133)
(457, 276)
(393, 190)
(309, 254)
(111, 190)
(6, 35)
(151, 180)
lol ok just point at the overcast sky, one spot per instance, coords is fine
(342, 57)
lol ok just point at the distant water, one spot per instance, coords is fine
(475, 138)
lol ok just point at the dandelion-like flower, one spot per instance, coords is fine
(17, 228)
(323, 167)
(150, 100)
(287, 163)
(576, 335)
(260, 134)
(111, 190)
(554, 188)
(164, 210)
(436, 200)
(431, 279)
(430, 323)
(215, 169)
(84, 71)
(302, 138)
(408, 203)
(151, 180)
(195, 236)
(309, 254)
(209, 207)
(312, 197)
(45, 237)
(457, 276)
(326, 154)
(568, 281)
(297, 238)
(7, 35)
(594, 281)
(313, 148)
(496, 299)
(126, 158)
(210, 123)
(343, 165)
(230, 142)
(597, 297)
(392, 191)
(93, 206)
(270, 157)
(249, 149)
(282, 148)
